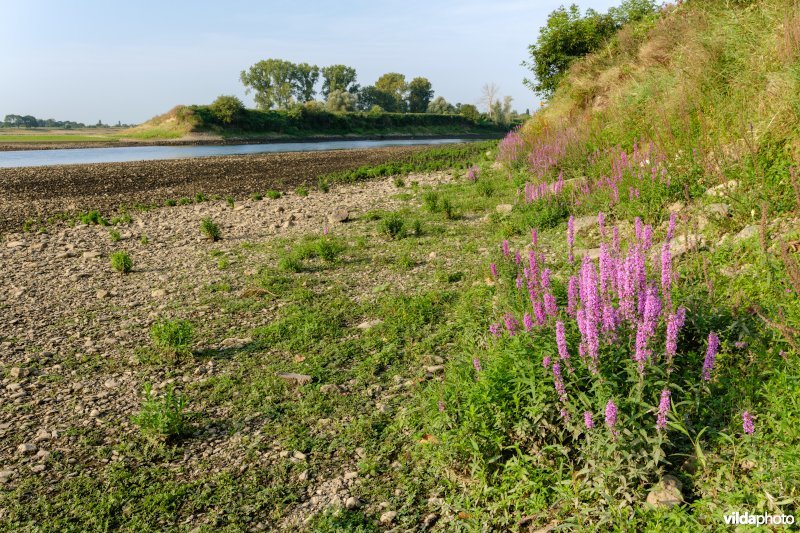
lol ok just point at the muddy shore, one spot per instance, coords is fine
(41, 193)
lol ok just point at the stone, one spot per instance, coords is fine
(350, 475)
(338, 216)
(723, 189)
(718, 210)
(330, 388)
(303, 476)
(504, 208)
(101, 294)
(683, 243)
(388, 517)
(666, 494)
(367, 324)
(434, 369)
(91, 255)
(5, 476)
(675, 207)
(299, 379)
(429, 520)
(300, 456)
(26, 448)
(158, 293)
(17, 372)
(352, 503)
(110, 384)
(14, 244)
(584, 223)
(38, 468)
(592, 253)
(747, 233)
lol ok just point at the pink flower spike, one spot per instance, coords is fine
(747, 423)
(587, 420)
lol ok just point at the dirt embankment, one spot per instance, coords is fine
(43, 192)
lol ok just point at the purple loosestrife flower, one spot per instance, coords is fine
(663, 408)
(511, 324)
(607, 269)
(674, 324)
(711, 355)
(505, 248)
(652, 310)
(673, 218)
(495, 329)
(561, 340)
(325, 230)
(642, 352)
(611, 415)
(534, 237)
(476, 363)
(747, 423)
(519, 282)
(615, 241)
(587, 420)
(572, 296)
(546, 361)
(571, 237)
(647, 237)
(550, 305)
(609, 318)
(539, 312)
(637, 222)
(601, 223)
(559, 383)
(527, 322)
(493, 269)
(517, 258)
(666, 273)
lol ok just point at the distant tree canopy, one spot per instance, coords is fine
(338, 78)
(227, 108)
(274, 82)
(394, 88)
(420, 93)
(441, 107)
(29, 121)
(569, 35)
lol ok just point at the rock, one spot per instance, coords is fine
(675, 207)
(352, 503)
(38, 468)
(584, 223)
(300, 456)
(26, 448)
(43, 455)
(41, 436)
(17, 372)
(747, 233)
(592, 253)
(110, 384)
(367, 324)
(350, 475)
(303, 476)
(388, 517)
(338, 216)
(667, 493)
(434, 369)
(683, 243)
(158, 293)
(504, 208)
(91, 255)
(14, 244)
(101, 294)
(723, 189)
(429, 520)
(5, 475)
(718, 210)
(299, 379)
(330, 388)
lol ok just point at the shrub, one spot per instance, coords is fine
(290, 263)
(185, 201)
(416, 227)
(114, 235)
(227, 109)
(256, 196)
(163, 418)
(170, 203)
(449, 210)
(273, 195)
(200, 198)
(323, 184)
(209, 229)
(328, 249)
(431, 201)
(144, 240)
(93, 218)
(173, 337)
(302, 191)
(121, 262)
(230, 201)
(393, 226)
(399, 182)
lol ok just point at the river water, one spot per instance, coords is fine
(76, 156)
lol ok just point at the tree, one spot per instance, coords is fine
(394, 86)
(227, 108)
(569, 35)
(470, 111)
(441, 107)
(370, 97)
(340, 101)
(304, 80)
(420, 93)
(338, 78)
(489, 96)
(272, 80)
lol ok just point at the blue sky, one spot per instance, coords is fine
(127, 61)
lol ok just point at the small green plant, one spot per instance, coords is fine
(124, 218)
(449, 209)
(485, 188)
(273, 195)
(185, 201)
(121, 262)
(399, 182)
(230, 201)
(223, 263)
(328, 249)
(170, 202)
(405, 261)
(431, 201)
(416, 227)
(114, 235)
(200, 198)
(144, 240)
(393, 226)
(209, 229)
(290, 263)
(256, 196)
(302, 191)
(165, 417)
(323, 184)
(93, 218)
(173, 337)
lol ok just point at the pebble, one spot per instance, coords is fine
(26, 448)
(388, 517)
(352, 503)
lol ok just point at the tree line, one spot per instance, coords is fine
(281, 84)
(29, 121)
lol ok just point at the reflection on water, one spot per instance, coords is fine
(32, 158)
